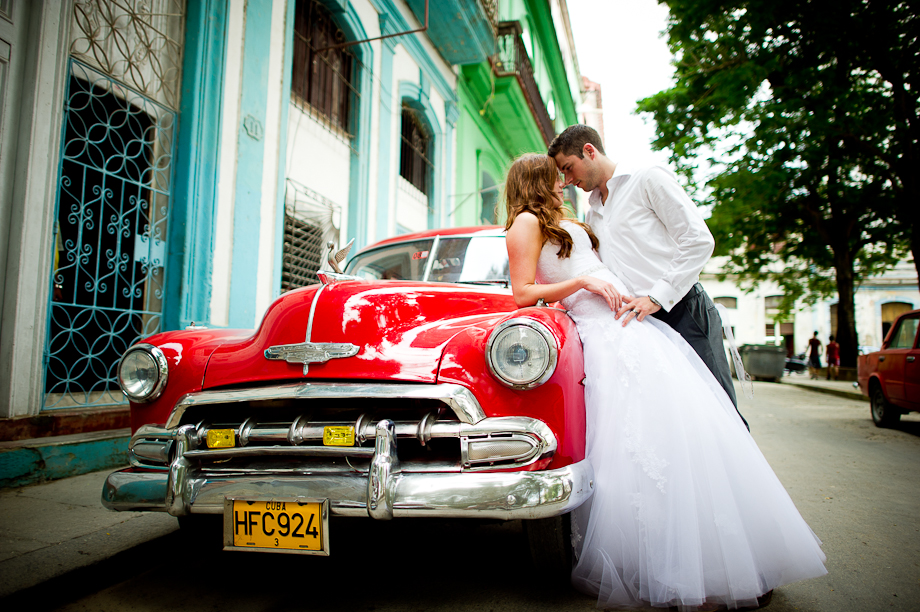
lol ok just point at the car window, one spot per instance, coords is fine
(905, 334)
(463, 259)
(403, 261)
(470, 259)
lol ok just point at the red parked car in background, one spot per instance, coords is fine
(890, 377)
(410, 385)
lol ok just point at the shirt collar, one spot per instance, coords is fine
(621, 172)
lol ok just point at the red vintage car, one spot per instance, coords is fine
(408, 386)
(890, 377)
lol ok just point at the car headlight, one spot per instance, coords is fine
(142, 373)
(522, 353)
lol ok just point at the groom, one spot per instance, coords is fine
(652, 237)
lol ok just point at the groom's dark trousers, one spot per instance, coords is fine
(696, 319)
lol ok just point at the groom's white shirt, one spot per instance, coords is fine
(651, 234)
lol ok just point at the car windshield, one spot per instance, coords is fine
(478, 259)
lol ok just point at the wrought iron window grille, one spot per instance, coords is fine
(310, 221)
(323, 78)
(110, 236)
(118, 143)
(415, 161)
(137, 42)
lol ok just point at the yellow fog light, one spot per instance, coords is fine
(221, 438)
(339, 435)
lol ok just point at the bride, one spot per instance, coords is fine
(686, 510)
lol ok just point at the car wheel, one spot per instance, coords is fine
(550, 542)
(883, 414)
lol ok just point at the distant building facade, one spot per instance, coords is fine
(592, 108)
(755, 317)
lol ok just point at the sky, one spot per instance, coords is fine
(619, 45)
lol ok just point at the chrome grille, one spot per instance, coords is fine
(281, 430)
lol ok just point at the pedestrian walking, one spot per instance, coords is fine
(833, 359)
(814, 356)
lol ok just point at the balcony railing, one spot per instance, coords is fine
(491, 9)
(512, 60)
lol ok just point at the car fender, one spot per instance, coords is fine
(559, 402)
(187, 353)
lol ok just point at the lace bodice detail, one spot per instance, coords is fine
(582, 261)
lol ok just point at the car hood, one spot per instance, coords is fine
(400, 330)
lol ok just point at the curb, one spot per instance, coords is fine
(25, 462)
(853, 395)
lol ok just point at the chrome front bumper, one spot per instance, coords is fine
(383, 492)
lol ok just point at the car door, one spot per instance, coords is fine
(894, 359)
(912, 369)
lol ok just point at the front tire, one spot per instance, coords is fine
(550, 542)
(883, 413)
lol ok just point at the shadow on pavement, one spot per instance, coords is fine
(382, 566)
(909, 424)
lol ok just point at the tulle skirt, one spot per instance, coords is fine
(686, 508)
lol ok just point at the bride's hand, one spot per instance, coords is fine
(605, 290)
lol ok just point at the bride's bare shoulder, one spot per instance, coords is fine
(525, 223)
(524, 230)
(526, 217)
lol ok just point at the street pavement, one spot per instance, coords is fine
(56, 528)
(50, 529)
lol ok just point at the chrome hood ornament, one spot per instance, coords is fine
(339, 256)
(327, 277)
(317, 352)
(310, 352)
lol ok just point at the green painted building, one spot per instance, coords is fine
(514, 102)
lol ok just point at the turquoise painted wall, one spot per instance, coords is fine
(247, 202)
(191, 226)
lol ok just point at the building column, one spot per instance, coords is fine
(247, 202)
(385, 132)
(451, 114)
(360, 170)
(191, 231)
(38, 65)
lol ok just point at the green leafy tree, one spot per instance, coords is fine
(807, 115)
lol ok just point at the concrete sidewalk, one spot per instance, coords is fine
(48, 530)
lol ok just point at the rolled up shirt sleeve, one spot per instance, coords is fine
(684, 224)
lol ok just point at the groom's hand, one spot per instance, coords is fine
(637, 308)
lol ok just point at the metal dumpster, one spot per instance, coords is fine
(764, 361)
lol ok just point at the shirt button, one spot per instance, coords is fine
(671, 302)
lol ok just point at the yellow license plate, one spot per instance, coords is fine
(288, 525)
(338, 435)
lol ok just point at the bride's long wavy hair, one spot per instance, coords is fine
(529, 188)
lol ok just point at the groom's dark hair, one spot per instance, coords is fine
(573, 139)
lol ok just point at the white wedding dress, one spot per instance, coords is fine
(686, 509)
